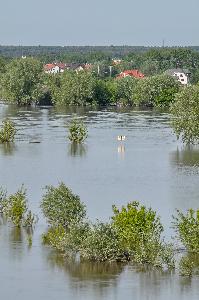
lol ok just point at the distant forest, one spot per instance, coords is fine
(78, 52)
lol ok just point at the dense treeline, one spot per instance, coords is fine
(24, 82)
(151, 61)
(18, 51)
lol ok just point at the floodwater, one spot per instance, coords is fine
(150, 166)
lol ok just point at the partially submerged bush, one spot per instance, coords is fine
(134, 233)
(15, 208)
(61, 207)
(139, 232)
(8, 131)
(77, 131)
(189, 264)
(187, 229)
(67, 240)
(3, 195)
(101, 244)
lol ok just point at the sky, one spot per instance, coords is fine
(99, 22)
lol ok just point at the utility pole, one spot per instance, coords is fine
(110, 68)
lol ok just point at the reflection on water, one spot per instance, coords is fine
(13, 240)
(85, 270)
(76, 149)
(187, 156)
(7, 148)
(16, 235)
(121, 149)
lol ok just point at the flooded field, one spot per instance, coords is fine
(150, 166)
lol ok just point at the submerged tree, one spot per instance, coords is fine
(187, 229)
(77, 131)
(156, 91)
(22, 81)
(8, 131)
(185, 110)
(15, 208)
(139, 233)
(61, 207)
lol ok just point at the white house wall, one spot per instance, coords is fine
(181, 77)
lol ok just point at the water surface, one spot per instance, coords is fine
(150, 166)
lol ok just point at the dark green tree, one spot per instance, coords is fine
(22, 81)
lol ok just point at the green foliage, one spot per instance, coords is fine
(187, 228)
(189, 265)
(67, 240)
(101, 244)
(136, 224)
(185, 111)
(22, 81)
(2, 65)
(61, 207)
(77, 131)
(139, 232)
(157, 91)
(134, 233)
(125, 90)
(55, 237)
(3, 199)
(8, 131)
(14, 208)
(72, 88)
(103, 93)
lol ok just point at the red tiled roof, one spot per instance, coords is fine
(48, 67)
(133, 73)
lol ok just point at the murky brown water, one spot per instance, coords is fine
(150, 166)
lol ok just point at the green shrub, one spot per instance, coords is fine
(189, 264)
(14, 208)
(134, 233)
(3, 195)
(67, 240)
(187, 229)
(139, 232)
(61, 207)
(8, 131)
(55, 237)
(101, 244)
(77, 131)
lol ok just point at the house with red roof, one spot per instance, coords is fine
(61, 67)
(54, 68)
(132, 73)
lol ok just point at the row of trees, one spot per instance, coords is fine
(24, 82)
